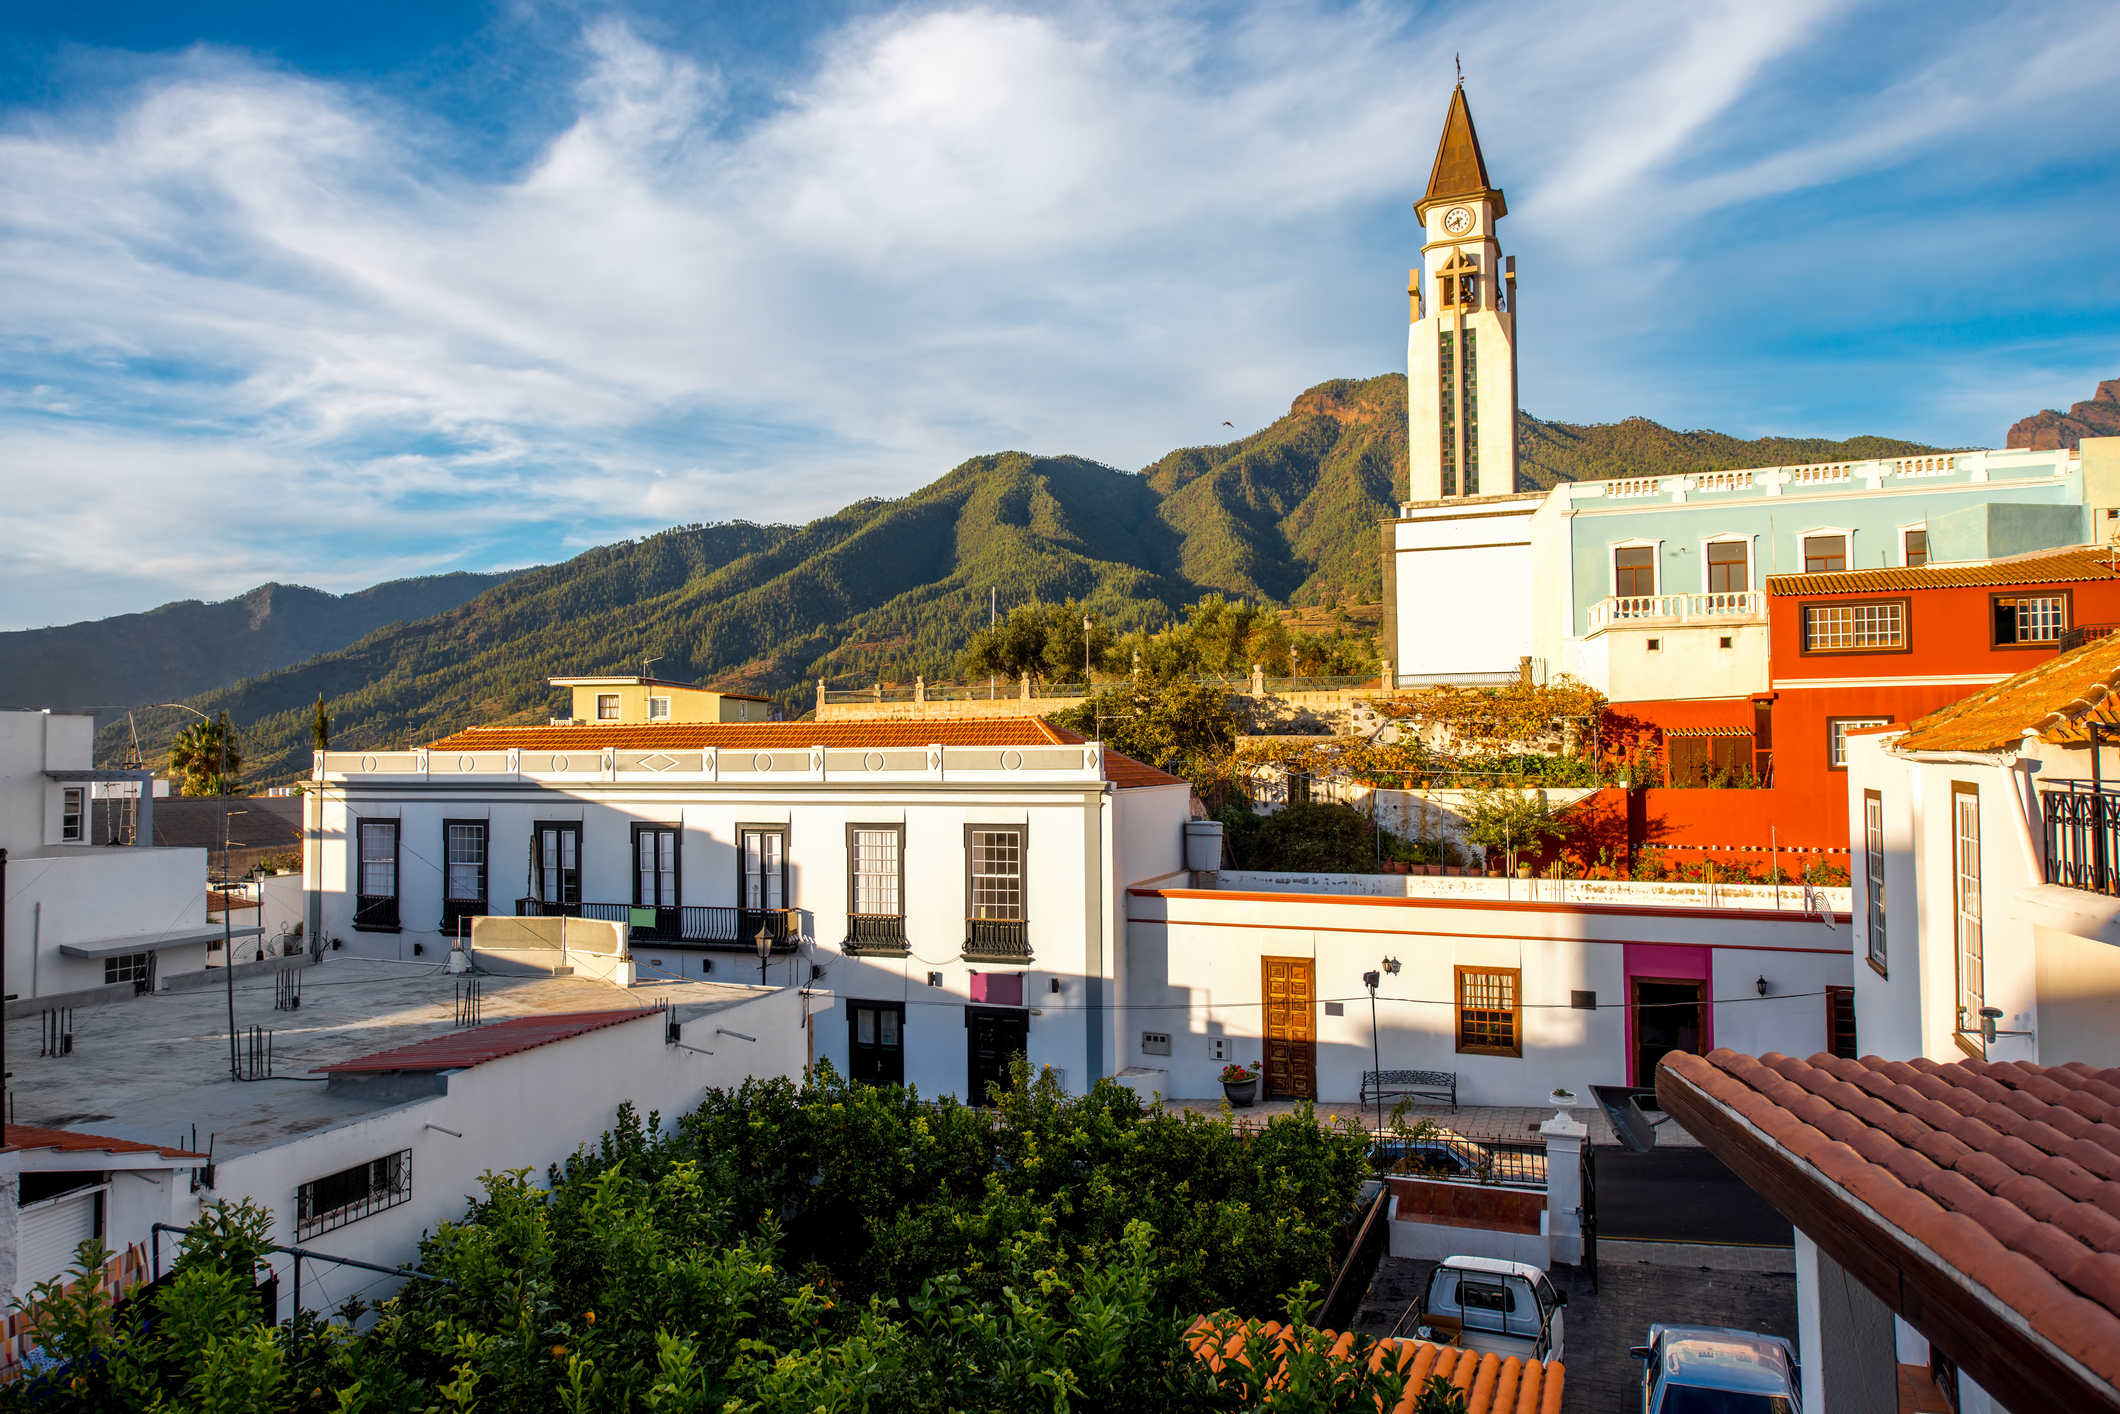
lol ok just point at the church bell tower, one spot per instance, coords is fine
(1461, 345)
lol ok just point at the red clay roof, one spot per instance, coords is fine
(489, 1042)
(2008, 1172)
(1122, 771)
(1490, 1383)
(68, 1141)
(2070, 566)
(2052, 699)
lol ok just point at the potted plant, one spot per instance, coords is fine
(1240, 1084)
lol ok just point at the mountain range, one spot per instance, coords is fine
(885, 589)
(191, 647)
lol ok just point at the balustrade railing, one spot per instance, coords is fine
(1675, 608)
(997, 940)
(703, 925)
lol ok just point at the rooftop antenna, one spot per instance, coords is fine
(644, 665)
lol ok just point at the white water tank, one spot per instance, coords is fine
(1203, 845)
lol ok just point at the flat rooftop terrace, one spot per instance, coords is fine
(149, 1068)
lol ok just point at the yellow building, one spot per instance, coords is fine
(634, 701)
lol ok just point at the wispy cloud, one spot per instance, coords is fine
(265, 325)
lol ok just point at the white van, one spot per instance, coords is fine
(1484, 1303)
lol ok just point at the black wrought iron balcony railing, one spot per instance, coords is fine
(2082, 836)
(697, 925)
(875, 935)
(997, 940)
(375, 914)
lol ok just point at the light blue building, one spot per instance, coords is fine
(1651, 588)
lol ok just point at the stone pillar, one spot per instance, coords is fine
(920, 688)
(1564, 1188)
(820, 697)
(879, 692)
(1137, 665)
(1026, 687)
(144, 817)
(1258, 681)
(1386, 679)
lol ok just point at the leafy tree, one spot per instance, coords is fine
(791, 1248)
(1336, 839)
(206, 757)
(1506, 819)
(1164, 723)
(1044, 640)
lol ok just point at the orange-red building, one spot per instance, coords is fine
(1853, 649)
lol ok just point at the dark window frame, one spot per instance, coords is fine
(1871, 719)
(764, 827)
(386, 1183)
(880, 929)
(677, 861)
(537, 862)
(129, 967)
(1803, 626)
(378, 913)
(618, 707)
(1836, 997)
(1516, 1010)
(855, 1006)
(454, 909)
(1002, 940)
(1906, 555)
(2048, 645)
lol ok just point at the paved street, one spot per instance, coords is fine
(1603, 1325)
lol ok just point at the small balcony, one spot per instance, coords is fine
(695, 926)
(2082, 836)
(1661, 610)
(875, 935)
(1005, 940)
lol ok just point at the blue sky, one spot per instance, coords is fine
(332, 295)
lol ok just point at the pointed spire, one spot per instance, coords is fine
(1460, 169)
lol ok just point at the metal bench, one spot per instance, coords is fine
(1422, 1084)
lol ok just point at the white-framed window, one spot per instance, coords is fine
(1873, 869)
(73, 815)
(765, 868)
(875, 858)
(658, 709)
(1726, 566)
(1855, 628)
(606, 706)
(996, 873)
(1965, 841)
(1634, 570)
(1837, 738)
(1827, 550)
(1914, 545)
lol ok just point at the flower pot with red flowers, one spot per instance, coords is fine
(1240, 1084)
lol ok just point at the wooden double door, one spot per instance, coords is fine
(1289, 986)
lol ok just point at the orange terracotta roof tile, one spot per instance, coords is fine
(486, 1043)
(2070, 566)
(1123, 771)
(2052, 700)
(70, 1141)
(2008, 1171)
(1490, 1383)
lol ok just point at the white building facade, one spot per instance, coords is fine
(1986, 875)
(947, 893)
(83, 914)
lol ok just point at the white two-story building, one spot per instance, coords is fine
(1987, 871)
(949, 893)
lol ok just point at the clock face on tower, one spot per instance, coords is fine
(1457, 220)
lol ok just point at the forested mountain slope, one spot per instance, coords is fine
(189, 646)
(888, 589)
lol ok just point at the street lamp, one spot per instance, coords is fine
(764, 943)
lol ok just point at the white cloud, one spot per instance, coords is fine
(1087, 230)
